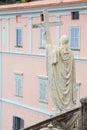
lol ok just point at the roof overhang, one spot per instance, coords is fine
(34, 7)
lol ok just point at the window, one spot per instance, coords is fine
(43, 90)
(75, 37)
(19, 84)
(42, 17)
(19, 37)
(41, 32)
(75, 15)
(18, 123)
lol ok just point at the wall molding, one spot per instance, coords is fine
(23, 54)
(23, 106)
(38, 56)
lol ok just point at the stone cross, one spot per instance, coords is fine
(46, 24)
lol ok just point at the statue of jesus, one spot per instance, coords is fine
(61, 74)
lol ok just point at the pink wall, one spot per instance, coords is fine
(24, 24)
(29, 67)
(65, 28)
(33, 66)
(81, 77)
(29, 117)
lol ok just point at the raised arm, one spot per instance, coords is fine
(51, 50)
(45, 43)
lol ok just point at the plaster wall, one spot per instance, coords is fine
(29, 117)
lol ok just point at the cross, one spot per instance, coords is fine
(46, 24)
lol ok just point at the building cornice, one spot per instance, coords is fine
(38, 4)
(32, 10)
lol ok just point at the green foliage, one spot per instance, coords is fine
(23, 1)
(11, 1)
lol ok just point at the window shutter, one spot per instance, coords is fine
(46, 90)
(43, 95)
(14, 123)
(77, 34)
(16, 37)
(41, 91)
(21, 85)
(75, 37)
(19, 37)
(18, 123)
(41, 32)
(16, 85)
(22, 124)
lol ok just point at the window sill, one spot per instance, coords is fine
(42, 48)
(75, 19)
(19, 46)
(45, 102)
(73, 49)
(18, 96)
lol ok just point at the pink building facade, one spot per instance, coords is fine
(24, 94)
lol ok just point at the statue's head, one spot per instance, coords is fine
(64, 41)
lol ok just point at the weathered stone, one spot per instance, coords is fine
(84, 113)
(61, 74)
(50, 127)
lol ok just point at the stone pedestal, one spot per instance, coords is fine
(84, 113)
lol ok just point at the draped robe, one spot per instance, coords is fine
(61, 77)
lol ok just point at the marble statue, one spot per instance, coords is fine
(60, 67)
(61, 74)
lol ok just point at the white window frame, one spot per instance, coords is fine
(16, 42)
(18, 81)
(43, 95)
(72, 45)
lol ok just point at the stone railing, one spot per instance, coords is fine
(65, 120)
(75, 119)
(83, 114)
